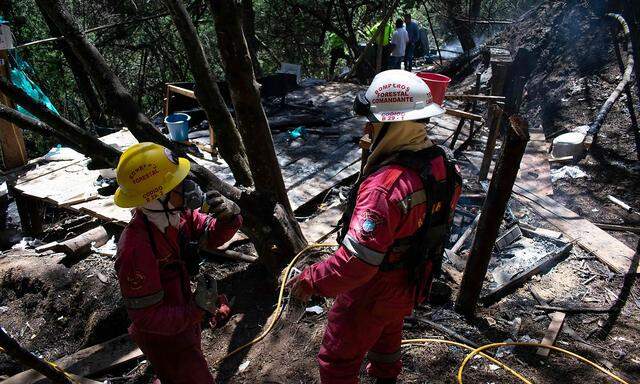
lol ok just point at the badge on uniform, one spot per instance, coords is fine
(369, 222)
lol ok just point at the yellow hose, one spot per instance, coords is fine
(476, 351)
(278, 311)
(443, 341)
(536, 345)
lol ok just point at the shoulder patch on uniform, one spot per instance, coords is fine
(135, 280)
(368, 222)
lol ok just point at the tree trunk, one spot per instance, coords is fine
(254, 128)
(228, 138)
(108, 84)
(87, 92)
(249, 28)
(271, 226)
(460, 27)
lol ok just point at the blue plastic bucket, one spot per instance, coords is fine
(178, 124)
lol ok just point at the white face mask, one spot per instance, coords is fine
(155, 212)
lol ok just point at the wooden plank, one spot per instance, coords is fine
(318, 227)
(181, 91)
(94, 360)
(587, 235)
(105, 209)
(557, 319)
(535, 173)
(465, 115)
(45, 169)
(314, 184)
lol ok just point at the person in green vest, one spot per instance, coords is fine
(383, 39)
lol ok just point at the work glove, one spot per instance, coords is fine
(206, 294)
(221, 207)
(221, 315)
(301, 287)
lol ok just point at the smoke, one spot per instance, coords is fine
(453, 48)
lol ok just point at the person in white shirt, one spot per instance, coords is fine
(399, 42)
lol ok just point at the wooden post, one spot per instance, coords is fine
(500, 63)
(469, 107)
(14, 153)
(13, 349)
(491, 215)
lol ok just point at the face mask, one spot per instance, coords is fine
(192, 195)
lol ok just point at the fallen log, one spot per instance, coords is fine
(544, 264)
(595, 126)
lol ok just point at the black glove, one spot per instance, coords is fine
(221, 207)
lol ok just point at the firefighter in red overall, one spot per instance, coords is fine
(157, 258)
(394, 228)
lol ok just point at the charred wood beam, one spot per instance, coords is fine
(13, 349)
(595, 126)
(102, 158)
(52, 123)
(208, 94)
(491, 216)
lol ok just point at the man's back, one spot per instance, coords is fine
(413, 30)
(399, 40)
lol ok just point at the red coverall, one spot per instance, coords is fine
(370, 304)
(168, 331)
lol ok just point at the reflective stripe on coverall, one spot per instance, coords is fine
(370, 305)
(166, 323)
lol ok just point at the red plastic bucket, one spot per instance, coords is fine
(437, 84)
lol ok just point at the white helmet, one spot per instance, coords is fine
(397, 95)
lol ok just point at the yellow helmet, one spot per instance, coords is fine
(146, 172)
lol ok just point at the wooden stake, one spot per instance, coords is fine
(14, 153)
(550, 336)
(500, 65)
(493, 211)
